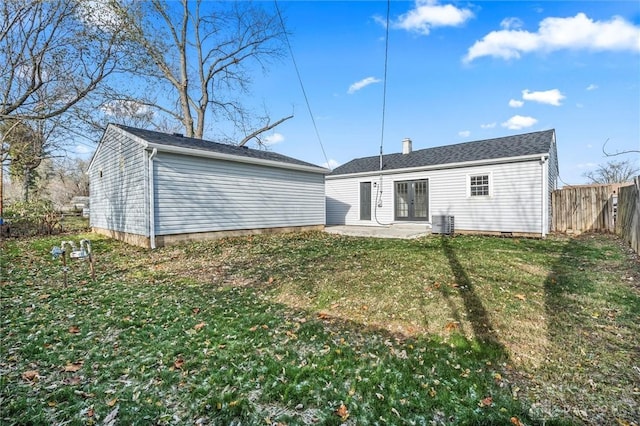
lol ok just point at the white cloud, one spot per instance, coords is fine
(464, 133)
(518, 122)
(273, 139)
(511, 23)
(101, 14)
(126, 108)
(488, 125)
(428, 14)
(82, 149)
(332, 164)
(592, 87)
(577, 32)
(586, 165)
(549, 97)
(361, 84)
(514, 103)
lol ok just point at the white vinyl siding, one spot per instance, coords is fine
(514, 204)
(195, 194)
(118, 179)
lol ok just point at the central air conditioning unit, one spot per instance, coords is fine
(442, 225)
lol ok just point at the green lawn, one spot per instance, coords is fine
(315, 328)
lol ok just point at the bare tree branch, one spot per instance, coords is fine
(261, 130)
(202, 52)
(608, 154)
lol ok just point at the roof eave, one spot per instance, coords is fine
(502, 160)
(237, 158)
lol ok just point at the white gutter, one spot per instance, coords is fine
(440, 166)
(544, 217)
(237, 158)
(152, 203)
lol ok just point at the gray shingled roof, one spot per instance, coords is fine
(488, 149)
(204, 145)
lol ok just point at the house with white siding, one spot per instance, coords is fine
(496, 186)
(154, 189)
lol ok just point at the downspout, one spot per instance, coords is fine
(152, 203)
(544, 217)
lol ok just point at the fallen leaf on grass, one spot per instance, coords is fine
(323, 316)
(342, 412)
(91, 412)
(178, 363)
(30, 375)
(516, 421)
(75, 380)
(270, 281)
(74, 329)
(486, 402)
(72, 368)
(110, 420)
(521, 297)
(112, 402)
(453, 325)
(43, 296)
(195, 310)
(199, 326)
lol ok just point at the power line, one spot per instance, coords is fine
(384, 82)
(378, 201)
(306, 99)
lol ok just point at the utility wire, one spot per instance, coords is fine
(306, 99)
(384, 81)
(378, 201)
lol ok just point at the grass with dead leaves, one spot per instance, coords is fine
(315, 328)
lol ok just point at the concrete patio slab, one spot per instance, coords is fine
(391, 231)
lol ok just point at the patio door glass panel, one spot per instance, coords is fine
(412, 200)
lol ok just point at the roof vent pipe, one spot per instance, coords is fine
(406, 146)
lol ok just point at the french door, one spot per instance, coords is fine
(412, 200)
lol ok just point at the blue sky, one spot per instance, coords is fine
(458, 72)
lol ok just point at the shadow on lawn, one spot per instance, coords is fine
(475, 310)
(590, 330)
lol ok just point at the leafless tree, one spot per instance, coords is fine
(199, 55)
(53, 55)
(613, 172)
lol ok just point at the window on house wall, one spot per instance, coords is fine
(479, 185)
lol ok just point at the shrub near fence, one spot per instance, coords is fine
(628, 222)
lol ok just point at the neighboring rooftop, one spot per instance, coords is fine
(178, 140)
(488, 149)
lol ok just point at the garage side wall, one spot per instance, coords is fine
(513, 206)
(117, 186)
(194, 195)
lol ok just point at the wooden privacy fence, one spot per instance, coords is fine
(578, 209)
(628, 221)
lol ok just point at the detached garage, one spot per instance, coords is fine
(154, 189)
